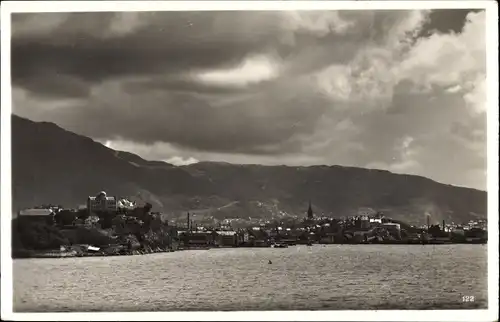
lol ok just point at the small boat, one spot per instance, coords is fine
(270, 262)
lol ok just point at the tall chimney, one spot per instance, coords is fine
(428, 221)
(188, 222)
(443, 225)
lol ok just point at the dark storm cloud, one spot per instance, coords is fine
(169, 42)
(192, 121)
(156, 53)
(446, 21)
(50, 84)
(351, 87)
(176, 41)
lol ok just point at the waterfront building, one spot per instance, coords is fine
(442, 239)
(289, 241)
(197, 239)
(394, 229)
(227, 238)
(102, 203)
(357, 236)
(260, 243)
(328, 238)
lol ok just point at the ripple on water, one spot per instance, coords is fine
(308, 278)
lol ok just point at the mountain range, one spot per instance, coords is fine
(53, 165)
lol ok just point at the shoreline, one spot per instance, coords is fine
(25, 254)
(18, 254)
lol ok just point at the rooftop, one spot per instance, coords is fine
(226, 233)
(36, 212)
(107, 198)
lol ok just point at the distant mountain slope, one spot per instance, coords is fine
(53, 165)
(140, 162)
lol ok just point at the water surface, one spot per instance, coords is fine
(300, 278)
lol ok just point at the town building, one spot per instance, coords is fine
(92, 222)
(197, 239)
(365, 222)
(37, 215)
(458, 231)
(310, 214)
(328, 238)
(394, 229)
(102, 203)
(125, 205)
(227, 238)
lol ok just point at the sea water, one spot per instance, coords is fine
(321, 277)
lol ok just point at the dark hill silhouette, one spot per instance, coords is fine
(51, 164)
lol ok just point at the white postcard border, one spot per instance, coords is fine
(490, 314)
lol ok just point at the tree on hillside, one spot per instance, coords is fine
(357, 223)
(105, 219)
(91, 236)
(65, 217)
(36, 235)
(147, 207)
(82, 214)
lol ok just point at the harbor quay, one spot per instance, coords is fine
(110, 226)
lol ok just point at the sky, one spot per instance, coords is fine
(402, 91)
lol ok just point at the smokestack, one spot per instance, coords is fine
(443, 225)
(188, 222)
(428, 221)
(192, 224)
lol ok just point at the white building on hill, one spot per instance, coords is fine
(102, 203)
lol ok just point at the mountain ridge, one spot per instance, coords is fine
(51, 164)
(330, 166)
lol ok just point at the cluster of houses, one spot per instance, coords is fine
(126, 218)
(471, 225)
(452, 233)
(357, 229)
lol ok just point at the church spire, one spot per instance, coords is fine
(309, 211)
